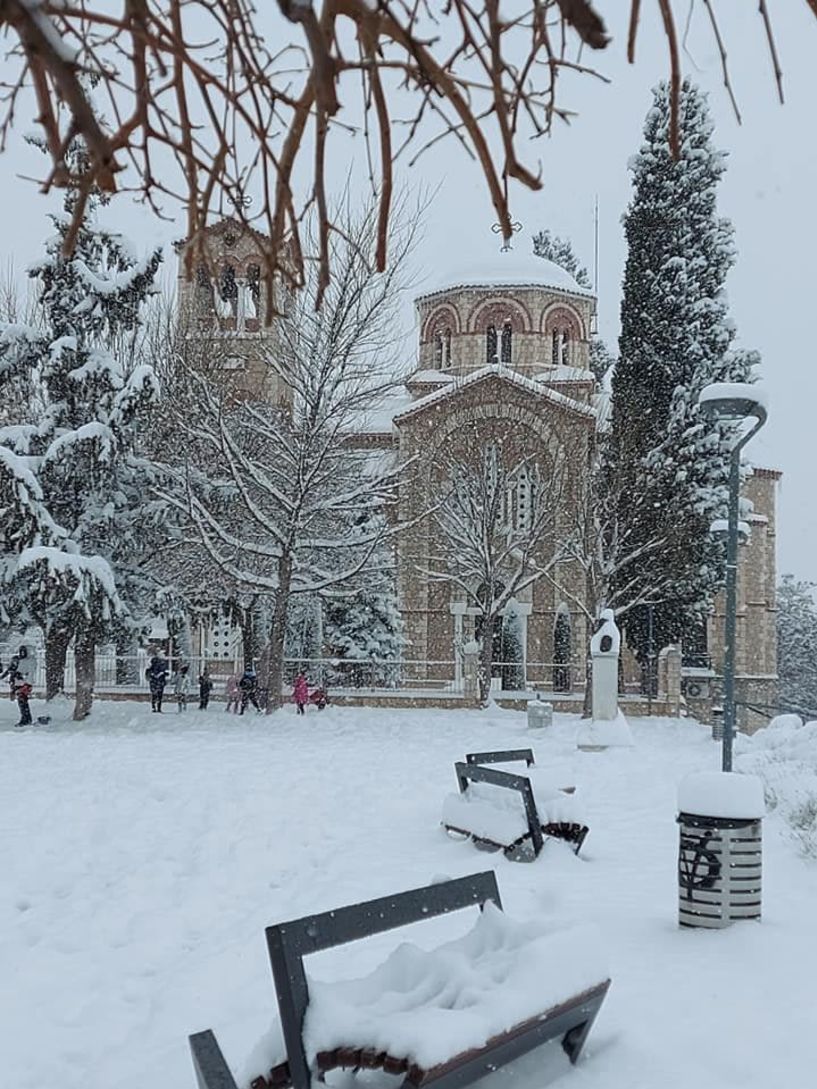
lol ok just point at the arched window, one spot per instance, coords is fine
(252, 295)
(204, 292)
(561, 347)
(447, 348)
(490, 345)
(439, 351)
(228, 293)
(524, 500)
(507, 335)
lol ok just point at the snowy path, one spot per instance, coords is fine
(141, 864)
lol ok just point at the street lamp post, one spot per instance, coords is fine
(732, 401)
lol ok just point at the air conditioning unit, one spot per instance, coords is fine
(696, 688)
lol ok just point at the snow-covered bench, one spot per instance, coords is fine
(444, 1017)
(517, 817)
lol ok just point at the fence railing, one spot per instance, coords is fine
(118, 673)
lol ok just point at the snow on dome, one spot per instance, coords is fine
(517, 267)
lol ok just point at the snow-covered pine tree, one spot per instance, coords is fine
(797, 645)
(670, 466)
(560, 252)
(512, 651)
(305, 632)
(367, 624)
(94, 485)
(601, 359)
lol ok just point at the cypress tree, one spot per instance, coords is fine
(668, 466)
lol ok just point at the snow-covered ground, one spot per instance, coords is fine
(142, 857)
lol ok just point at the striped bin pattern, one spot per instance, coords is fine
(720, 865)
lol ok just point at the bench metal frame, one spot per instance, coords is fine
(500, 756)
(476, 773)
(289, 943)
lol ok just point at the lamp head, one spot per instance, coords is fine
(733, 401)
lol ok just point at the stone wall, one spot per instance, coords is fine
(756, 637)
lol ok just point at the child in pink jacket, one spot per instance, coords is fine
(300, 693)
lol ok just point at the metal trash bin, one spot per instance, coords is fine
(717, 724)
(720, 859)
(540, 714)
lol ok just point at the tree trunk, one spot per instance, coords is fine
(181, 641)
(274, 651)
(254, 626)
(57, 638)
(127, 660)
(85, 665)
(486, 660)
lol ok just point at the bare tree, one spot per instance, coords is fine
(278, 494)
(193, 103)
(498, 532)
(609, 554)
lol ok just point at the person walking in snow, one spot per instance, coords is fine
(181, 686)
(233, 694)
(300, 693)
(248, 687)
(22, 692)
(11, 673)
(20, 672)
(157, 679)
(205, 688)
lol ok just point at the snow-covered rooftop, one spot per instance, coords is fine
(519, 267)
(429, 377)
(563, 374)
(510, 376)
(378, 419)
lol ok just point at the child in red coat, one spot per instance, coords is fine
(300, 693)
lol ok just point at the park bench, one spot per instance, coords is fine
(552, 981)
(496, 823)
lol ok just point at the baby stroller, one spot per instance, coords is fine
(319, 697)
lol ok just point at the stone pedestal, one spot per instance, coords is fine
(609, 727)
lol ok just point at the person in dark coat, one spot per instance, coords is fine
(248, 687)
(20, 673)
(10, 672)
(205, 688)
(157, 679)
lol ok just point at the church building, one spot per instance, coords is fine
(502, 365)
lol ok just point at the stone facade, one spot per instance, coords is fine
(756, 633)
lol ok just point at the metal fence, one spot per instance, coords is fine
(123, 674)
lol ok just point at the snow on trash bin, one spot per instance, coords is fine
(720, 849)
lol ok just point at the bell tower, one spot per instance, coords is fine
(223, 299)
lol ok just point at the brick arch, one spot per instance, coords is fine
(558, 315)
(497, 311)
(548, 435)
(444, 315)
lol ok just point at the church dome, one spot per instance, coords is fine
(518, 267)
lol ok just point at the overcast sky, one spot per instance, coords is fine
(769, 192)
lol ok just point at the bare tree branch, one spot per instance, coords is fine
(192, 104)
